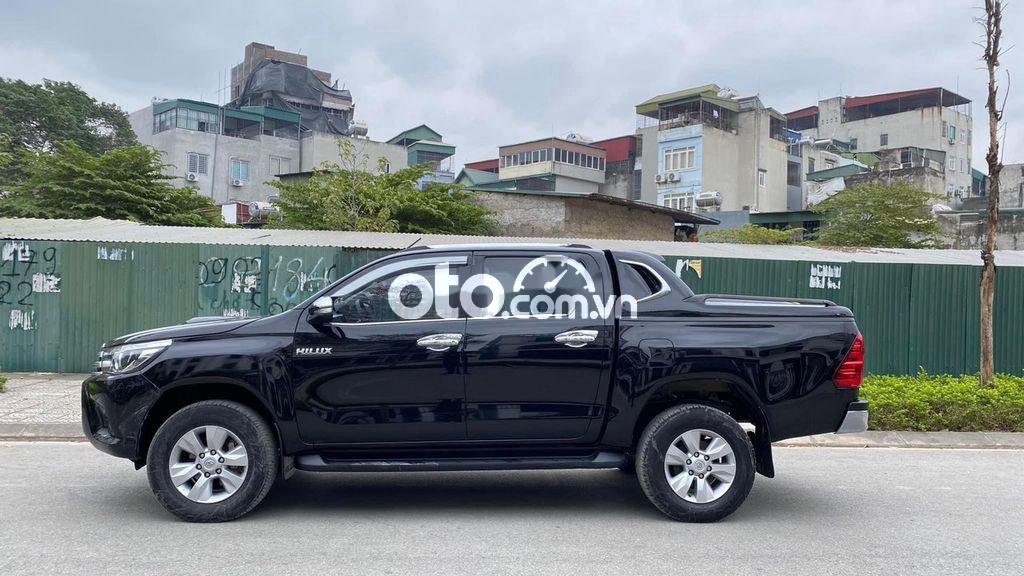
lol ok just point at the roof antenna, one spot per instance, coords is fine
(414, 242)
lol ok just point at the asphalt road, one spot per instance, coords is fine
(66, 508)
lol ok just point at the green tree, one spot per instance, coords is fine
(347, 195)
(123, 184)
(35, 117)
(752, 234)
(878, 214)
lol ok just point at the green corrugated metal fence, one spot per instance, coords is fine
(60, 300)
(913, 316)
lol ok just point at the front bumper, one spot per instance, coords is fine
(114, 410)
(856, 419)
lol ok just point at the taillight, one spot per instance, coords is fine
(851, 372)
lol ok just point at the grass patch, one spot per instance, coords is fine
(3, 383)
(956, 403)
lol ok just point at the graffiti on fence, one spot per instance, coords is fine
(235, 286)
(114, 253)
(826, 276)
(25, 273)
(230, 287)
(291, 282)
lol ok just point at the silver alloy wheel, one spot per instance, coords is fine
(700, 466)
(208, 464)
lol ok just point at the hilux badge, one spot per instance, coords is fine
(312, 351)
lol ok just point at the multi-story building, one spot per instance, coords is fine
(573, 187)
(1011, 186)
(934, 121)
(709, 149)
(284, 118)
(621, 171)
(427, 146)
(553, 164)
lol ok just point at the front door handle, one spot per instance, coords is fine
(439, 342)
(576, 338)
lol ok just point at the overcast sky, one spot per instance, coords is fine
(490, 73)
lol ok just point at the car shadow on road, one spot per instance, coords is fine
(551, 493)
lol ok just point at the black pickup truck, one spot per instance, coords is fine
(482, 357)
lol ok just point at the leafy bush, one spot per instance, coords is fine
(3, 384)
(752, 234)
(926, 402)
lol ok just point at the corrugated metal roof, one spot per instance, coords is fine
(948, 98)
(102, 230)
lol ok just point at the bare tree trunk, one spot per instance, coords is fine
(992, 23)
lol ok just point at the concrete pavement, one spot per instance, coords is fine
(70, 509)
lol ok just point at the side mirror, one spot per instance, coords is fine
(321, 311)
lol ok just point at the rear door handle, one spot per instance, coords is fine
(439, 342)
(576, 338)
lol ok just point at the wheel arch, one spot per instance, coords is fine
(177, 397)
(717, 391)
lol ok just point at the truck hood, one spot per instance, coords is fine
(204, 326)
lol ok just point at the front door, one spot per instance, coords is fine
(388, 368)
(534, 372)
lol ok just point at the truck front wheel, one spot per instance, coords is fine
(212, 461)
(695, 463)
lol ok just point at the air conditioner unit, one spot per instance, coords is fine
(659, 178)
(191, 176)
(708, 199)
(237, 182)
(673, 177)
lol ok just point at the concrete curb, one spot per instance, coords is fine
(902, 439)
(60, 431)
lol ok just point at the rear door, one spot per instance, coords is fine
(535, 369)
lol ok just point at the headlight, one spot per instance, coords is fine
(129, 357)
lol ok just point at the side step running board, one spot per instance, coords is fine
(318, 463)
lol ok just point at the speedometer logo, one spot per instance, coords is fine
(554, 274)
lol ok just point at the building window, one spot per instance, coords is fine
(951, 164)
(949, 190)
(280, 165)
(239, 169)
(762, 178)
(883, 140)
(810, 165)
(962, 165)
(680, 159)
(829, 164)
(678, 202)
(952, 133)
(853, 143)
(196, 162)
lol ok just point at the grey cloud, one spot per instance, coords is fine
(491, 73)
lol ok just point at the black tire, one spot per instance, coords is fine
(650, 462)
(250, 428)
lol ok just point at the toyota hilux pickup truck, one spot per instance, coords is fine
(482, 357)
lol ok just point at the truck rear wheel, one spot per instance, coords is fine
(212, 461)
(695, 463)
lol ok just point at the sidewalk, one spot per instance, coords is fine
(40, 406)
